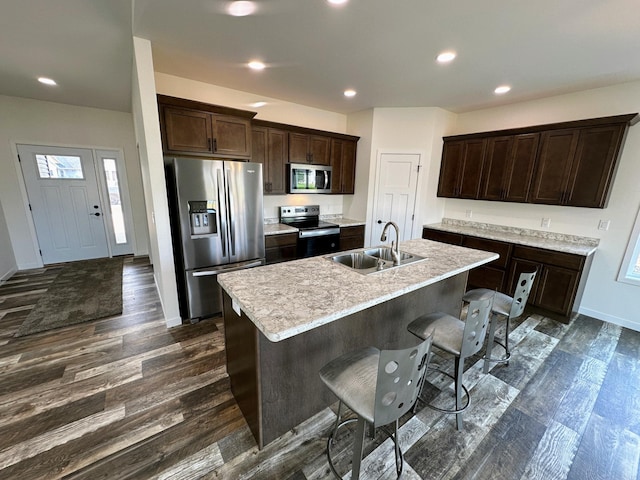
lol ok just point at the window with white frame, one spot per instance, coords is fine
(630, 269)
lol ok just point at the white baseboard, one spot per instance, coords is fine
(605, 317)
(174, 322)
(29, 266)
(8, 275)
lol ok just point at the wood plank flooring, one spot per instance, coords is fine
(127, 398)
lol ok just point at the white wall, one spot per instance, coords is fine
(409, 130)
(8, 264)
(147, 132)
(25, 121)
(604, 297)
(275, 111)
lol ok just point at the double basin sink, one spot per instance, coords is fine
(373, 260)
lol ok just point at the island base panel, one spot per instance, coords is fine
(287, 388)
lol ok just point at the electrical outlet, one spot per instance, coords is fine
(604, 225)
(469, 213)
(546, 222)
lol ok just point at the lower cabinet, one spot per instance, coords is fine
(557, 289)
(281, 247)
(351, 237)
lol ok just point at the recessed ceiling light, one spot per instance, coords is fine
(337, 2)
(446, 57)
(256, 65)
(258, 104)
(47, 81)
(241, 9)
(350, 93)
(502, 89)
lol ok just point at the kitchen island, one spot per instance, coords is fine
(283, 322)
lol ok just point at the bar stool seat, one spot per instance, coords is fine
(379, 386)
(459, 338)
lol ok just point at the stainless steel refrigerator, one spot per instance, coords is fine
(217, 226)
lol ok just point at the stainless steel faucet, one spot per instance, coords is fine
(395, 250)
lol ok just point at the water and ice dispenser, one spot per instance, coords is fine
(203, 217)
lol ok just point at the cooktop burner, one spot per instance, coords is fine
(304, 217)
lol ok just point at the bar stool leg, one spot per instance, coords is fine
(358, 448)
(493, 322)
(459, 367)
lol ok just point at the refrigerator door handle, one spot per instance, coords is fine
(230, 210)
(207, 273)
(223, 218)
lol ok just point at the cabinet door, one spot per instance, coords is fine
(259, 153)
(299, 148)
(450, 168)
(557, 149)
(496, 166)
(320, 149)
(593, 166)
(557, 288)
(277, 154)
(343, 163)
(232, 136)
(519, 171)
(187, 131)
(472, 168)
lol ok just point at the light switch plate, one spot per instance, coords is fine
(604, 225)
(469, 213)
(546, 222)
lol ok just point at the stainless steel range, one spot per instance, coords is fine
(315, 237)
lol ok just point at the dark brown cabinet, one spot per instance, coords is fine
(569, 163)
(558, 286)
(461, 169)
(304, 148)
(196, 128)
(351, 237)
(343, 163)
(280, 247)
(508, 167)
(270, 147)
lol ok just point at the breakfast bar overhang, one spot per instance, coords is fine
(283, 322)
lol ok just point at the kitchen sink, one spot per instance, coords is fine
(373, 260)
(357, 260)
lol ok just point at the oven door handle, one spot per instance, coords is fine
(319, 232)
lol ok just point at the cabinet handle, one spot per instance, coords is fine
(209, 144)
(215, 144)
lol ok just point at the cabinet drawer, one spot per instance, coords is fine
(549, 257)
(280, 240)
(440, 236)
(501, 248)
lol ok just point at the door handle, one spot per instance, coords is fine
(379, 222)
(97, 214)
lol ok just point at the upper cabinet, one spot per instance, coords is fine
(570, 163)
(196, 128)
(343, 163)
(461, 168)
(306, 148)
(271, 148)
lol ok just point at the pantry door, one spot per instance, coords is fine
(395, 195)
(65, 202)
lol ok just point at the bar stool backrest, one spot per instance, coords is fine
(475, 326)
(521, 295)
(399, 379)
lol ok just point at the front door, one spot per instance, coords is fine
(65, 202)
(395, 196)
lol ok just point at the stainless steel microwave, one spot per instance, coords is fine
(306, 178)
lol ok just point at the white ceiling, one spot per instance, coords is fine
(384, 49)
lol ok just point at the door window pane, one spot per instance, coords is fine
(115, 201)
(58, 166)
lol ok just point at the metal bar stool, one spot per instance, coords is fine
(509, 307)
(379, 386)
(459, 338)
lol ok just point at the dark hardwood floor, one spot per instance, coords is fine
(125, 397)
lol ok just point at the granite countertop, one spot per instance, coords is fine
(344, 222)
(278, 228)
(286, 299)
(560, 242)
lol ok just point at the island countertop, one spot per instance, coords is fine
(286, 299)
